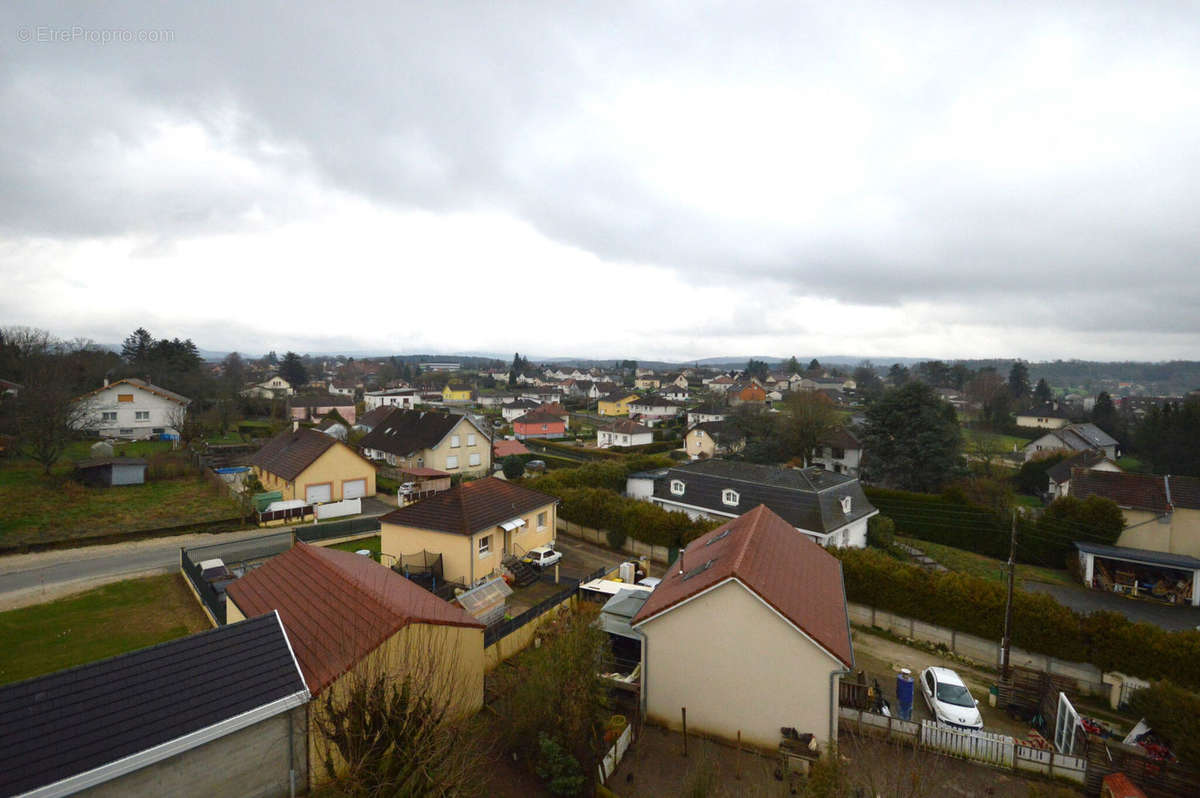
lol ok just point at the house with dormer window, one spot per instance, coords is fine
(825, 506)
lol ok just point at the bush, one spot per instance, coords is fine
(1174, 714)
(1040, 624)
(616, 538)
(881, 532)
(513, 467)
(561, 771)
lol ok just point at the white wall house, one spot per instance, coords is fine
(132, 409)
(405, 399)
(623, 433)
(270, 388)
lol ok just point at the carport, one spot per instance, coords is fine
(1160, 575)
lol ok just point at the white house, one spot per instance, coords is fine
(700, 416)
(749, 632)
(270, 388)
(133, 409)
(1074, 438)
(623, 433)
(517, 408)
(652, 409)
(839, 451)
(404, 398)
(829, 508)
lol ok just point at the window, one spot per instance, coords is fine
(141, 415)
(485, 546)
(124, 397)
(454, 442)
(838, 454)
(677, 487)
(846, 503)
(125, 431)
(471, 439)
(452, 462)
(108, 416)
(159, 430)
(730, 497)
(473, 459)
(541, 521)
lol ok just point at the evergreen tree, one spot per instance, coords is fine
(1018, 380)
(912, 439)
(292, 369)
(1042, 393)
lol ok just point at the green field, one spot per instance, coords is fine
(104, 622)
(968, 562)
(371, 543)
(35, 508)
(973, 438)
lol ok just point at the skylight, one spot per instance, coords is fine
(699, 569)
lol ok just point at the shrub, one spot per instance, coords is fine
(616, 538)
(556, 767)
(514, 467)
(881, 532)
(1174, 714)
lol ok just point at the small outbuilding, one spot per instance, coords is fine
(105, 472)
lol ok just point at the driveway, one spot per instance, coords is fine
(1081, 599)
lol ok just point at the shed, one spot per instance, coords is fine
(1174, 578)
(488, 602)
(103, 472)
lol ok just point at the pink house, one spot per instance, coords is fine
(537, 424)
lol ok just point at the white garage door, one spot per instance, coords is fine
(354, 488)
(317, 493)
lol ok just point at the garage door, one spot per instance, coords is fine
(354, 488)
(316, 493)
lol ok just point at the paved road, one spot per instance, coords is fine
(42, 576)
(1084, 600)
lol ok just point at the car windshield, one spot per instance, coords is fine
(955, 694)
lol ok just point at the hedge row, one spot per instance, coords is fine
(658, 447)
(624, 517)
(1040, 624)
(595, 454)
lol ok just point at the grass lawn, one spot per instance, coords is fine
(100, 623)
(35, 508)
(995, 440)
(969, 562)
(371, 543)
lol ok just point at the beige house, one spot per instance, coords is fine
(425, 439)
(751, 585)
(713, 438)
(1162, 513)
(350, 620)
(474, 526)
(310, 465)
(270, 388)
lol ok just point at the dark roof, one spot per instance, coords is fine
(373, 417)
(808, 499)
(1140, 555)
(1156, 494)
(538, 417)
(787, 570)
(523, 404)
(720, 430)
(841, 438)
(1045, 411)
(625, 427)
(470, 507)
(288, 454)
(1060, 472)
(95, 462)
(321, 400)
(406, 431)
(617, 396)
(338, 606)
(73, 721)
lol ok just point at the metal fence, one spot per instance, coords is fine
(213, 602)
(337, 529)
(505, 628)
(238, 556)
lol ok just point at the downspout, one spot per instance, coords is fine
(833, 700)
(291, 733)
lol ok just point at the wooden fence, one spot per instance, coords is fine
(614, 755)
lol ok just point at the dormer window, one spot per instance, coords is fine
(677, 487)
(846, 502)
(730, 497)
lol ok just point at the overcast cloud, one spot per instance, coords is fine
(656, 180)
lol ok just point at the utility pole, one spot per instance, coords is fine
(1006, 644)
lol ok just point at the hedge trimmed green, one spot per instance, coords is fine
(1040, 624)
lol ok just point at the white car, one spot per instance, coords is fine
(542, 556)
(949, 700)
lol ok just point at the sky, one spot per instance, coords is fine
(654, 180)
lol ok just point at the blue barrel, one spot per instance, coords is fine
(904, 693)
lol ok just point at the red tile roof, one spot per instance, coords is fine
(784, 568)
(289, 453)
(1158, 494)
(337, 607)
(505, 448)
(470, 507)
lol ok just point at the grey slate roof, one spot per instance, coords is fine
(289, 453)
(808, 499)
(67, 723)
(406, 431)
(1181, 561)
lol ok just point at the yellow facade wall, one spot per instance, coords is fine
(517, 641)
(696, 658)
(470, 441)
(233, 613)
(461, 561)
(616, 408)
(446, 661)
(1180, 534)
(337, 465)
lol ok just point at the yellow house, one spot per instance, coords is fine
(647, 383)
(352, 622)
(310, 465)
(457, 392)
(420, 439)
(616, 404)
(1162, 513)
(474, 526)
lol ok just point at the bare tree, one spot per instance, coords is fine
(810, 418)
(48, 413)
(184, 419)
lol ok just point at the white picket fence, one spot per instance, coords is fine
(978, 746)
(1051, 763)
(338, 509)
(613, 757)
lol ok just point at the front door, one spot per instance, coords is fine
(507, 542)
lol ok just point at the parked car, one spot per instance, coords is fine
(542, 556)
(949, 700)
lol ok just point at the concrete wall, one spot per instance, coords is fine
(987, 652)
(696, 657)
(252, 762)
(461, 561)
(517, 641)
(659, 554)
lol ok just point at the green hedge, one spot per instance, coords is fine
(603, 509)
(658, 447)
(1040, 624)
(595, 454)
